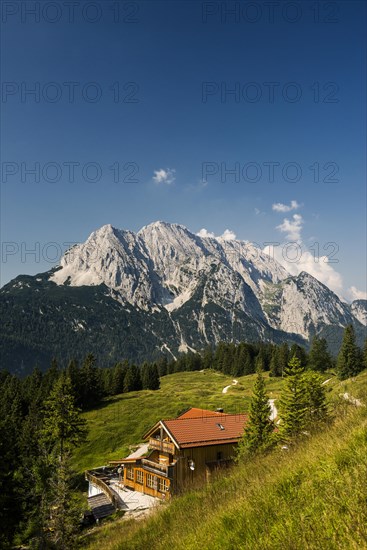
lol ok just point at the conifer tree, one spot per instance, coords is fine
(299, 352)
(63, 427)
(132, 380)
(292, 403)
(283, 356)
(117, 378)
(65, 508)
(207, 358)
(275, 363)
(319, 358)
(315, 399)
(91, 390)
(258, 434)
(162, 365)
(349, 361)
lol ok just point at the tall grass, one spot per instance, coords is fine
(313, 496)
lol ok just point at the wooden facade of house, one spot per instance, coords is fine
(184, 451)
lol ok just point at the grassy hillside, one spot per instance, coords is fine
(121, 421)
(314, 496)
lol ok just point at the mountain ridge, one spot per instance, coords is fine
(171, 290)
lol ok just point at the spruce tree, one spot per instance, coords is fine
(293, 407)
(90, 382)
(65, 508)
(258, 434)
(349, 358)
(260, 361)
(275, 363)
(132, 380)
(63, 427)
(299, 352)
(117, 378)
(283, 356)
(319, 358)
(315, 399)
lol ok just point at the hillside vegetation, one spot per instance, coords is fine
(121, 421)
(313, 496)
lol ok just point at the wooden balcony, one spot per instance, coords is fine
(163, 446)
(150, 465)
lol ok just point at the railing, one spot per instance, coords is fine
(150, 464)
(164, 446)
(110, 493)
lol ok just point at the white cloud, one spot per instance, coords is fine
(205, 234)
(292, 227)
(294, 256)
(228, 235)
(164, 175)
(354, 294)
(280, 207)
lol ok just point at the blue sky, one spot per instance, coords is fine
(175, 94)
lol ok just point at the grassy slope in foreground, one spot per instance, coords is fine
(122, 421)
(314, 497)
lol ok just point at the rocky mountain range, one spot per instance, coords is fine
(163, 290)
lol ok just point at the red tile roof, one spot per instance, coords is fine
(199, 413)
(206, 430)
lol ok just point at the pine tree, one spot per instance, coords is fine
(207, 358)
(63, 427)
(73, 371)
(248, 366)
(349, 358)
(292, 403)
(283, 356)
(315, 399)
(117, 378)
(65, 509)
(258, 434)
(260, 361)
(91, 388)
(299, 352)
(10, 426)
(51, 376)
(162, 365)
(132, 380)
(319, 358)
(275, 363)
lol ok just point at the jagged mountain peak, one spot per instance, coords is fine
(164, 264)
(171, 290)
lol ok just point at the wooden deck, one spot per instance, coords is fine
(101, 506)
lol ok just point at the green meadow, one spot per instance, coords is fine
(121, 421)
(311, 496)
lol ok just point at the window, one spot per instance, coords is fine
(162, 485)
(130, 473)
(219, 455)
(151, 481)
(139, 477)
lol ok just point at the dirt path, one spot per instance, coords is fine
(234, 383)
(274, 410)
